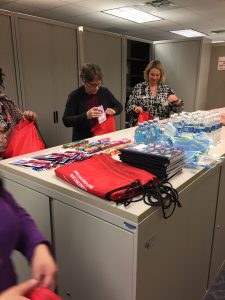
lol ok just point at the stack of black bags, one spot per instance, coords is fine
(162, 161)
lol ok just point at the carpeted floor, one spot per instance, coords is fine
(217, 290)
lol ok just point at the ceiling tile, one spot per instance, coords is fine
(99, 4)
(41, 4)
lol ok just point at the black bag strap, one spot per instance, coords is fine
(164, 195)
(129, 195)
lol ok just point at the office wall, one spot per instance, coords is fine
(216, 83)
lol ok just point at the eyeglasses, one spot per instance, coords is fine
(94, 84)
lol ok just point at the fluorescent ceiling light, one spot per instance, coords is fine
(188, 33)
(132, 14)
(217, 42)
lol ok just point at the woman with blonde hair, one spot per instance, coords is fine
(153, 95)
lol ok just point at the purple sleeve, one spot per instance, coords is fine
(30, 236)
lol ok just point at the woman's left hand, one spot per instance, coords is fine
(43, 266)
(110, 111)
(173, 99)
(30, 115)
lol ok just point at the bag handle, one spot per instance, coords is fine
(164, 195)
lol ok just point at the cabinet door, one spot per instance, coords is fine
(7, 62)
(95, 258)
(105, 50)
(181, 63)
(49, 74)
(37, 205)
(174, 254)
(218, 251)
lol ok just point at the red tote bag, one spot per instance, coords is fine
(144, 116)
(106, 127)
(24, 139)
(115, 181)
(119, 182)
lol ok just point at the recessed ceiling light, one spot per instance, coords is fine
(132, 14)
(188, 33)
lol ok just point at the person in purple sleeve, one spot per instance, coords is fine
(19, 232)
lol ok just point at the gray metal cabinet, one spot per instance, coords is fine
(95, 258)
(38, 206)
(182, 245)
(7, 56)
(48, 68)
(105, 50)
(218, 249)
(186, 64)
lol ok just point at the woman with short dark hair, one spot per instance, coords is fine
(82, 108)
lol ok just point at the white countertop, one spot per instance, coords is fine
(135, 212)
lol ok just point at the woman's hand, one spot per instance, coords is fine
(43, 267)
(110, 111)
(173, 99)
(30, 115)
(138, 109)
(3, 140)
(19, 292)
(93, 113)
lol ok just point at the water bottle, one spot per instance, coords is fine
(213, 129)
(150, 134)
(188, 127)
(208, 126)
(178, 124)
(200, 126)
(217, 128)
(157, 130)
(137, 134)
(220, 128)
(140, 134)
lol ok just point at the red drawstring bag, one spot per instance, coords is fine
(106, 127)
(41, 293)
(114, 180)
(24, 139)
(144, 116)
(119, 182)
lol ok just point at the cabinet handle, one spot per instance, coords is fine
(56, 116)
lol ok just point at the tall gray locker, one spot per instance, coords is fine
(48, 66)
(7, 56)
(105, 50)
(186, 64)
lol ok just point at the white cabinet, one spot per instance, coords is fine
(95, 258)
(186, 64)
(48, 69)
(38, 206)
